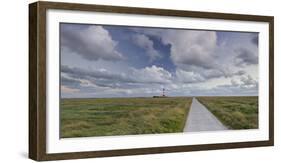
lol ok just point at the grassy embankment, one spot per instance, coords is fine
(122, 116)
(234, 112)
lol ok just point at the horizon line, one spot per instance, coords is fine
(161, 96)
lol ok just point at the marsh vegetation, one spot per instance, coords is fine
(123, 116)
(234, 112)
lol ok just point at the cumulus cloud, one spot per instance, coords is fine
(135, 81)
(234, 82)
(193, 53)
(152, 74)
(91, 43)
(248, 81)
(145, 43)
(244, 82)
(188, 77)
(66, 89)
(100, 73)
(245, 57)
(192, 48)
(188, 47)
(197, 62)
(69, 81)
(104, 78)
(196, 54)
(203, 75)
(244, 85)
(149, 81)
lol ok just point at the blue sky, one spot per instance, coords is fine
(122, 61)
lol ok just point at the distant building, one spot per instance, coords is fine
(163, 94)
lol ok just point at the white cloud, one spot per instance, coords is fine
(145, 43)
(248, 81)
(234, 82)
(152, 74)
(188, 76)
(92, 43)
(202, 67)
(66, 89)
(196, 54)
(191, 48)
(188, 47)
(245, 82)
(193, 53)
(102, 78)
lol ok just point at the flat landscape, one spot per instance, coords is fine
(160, 75)
(132, 116)
(123, 116)
(234, 112)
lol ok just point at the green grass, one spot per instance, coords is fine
(234, 112)
(123, 116)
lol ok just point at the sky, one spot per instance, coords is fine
(121, 61)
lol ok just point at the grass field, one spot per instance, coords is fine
(123, 116)
(234, 112)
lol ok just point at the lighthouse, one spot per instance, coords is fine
(163, 94)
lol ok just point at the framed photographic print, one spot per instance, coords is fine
(112, 81)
